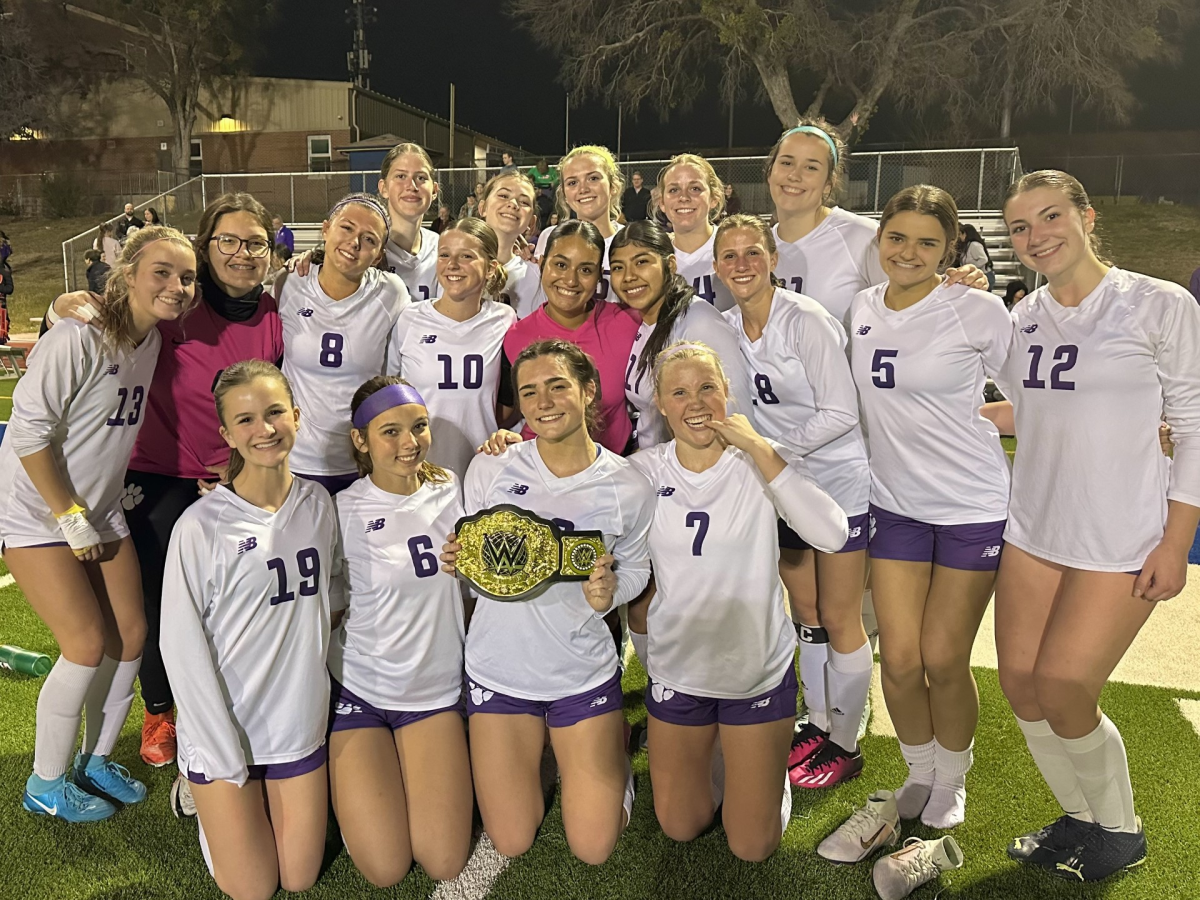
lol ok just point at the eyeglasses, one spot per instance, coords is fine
(231, 245)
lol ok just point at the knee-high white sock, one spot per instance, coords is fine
(59, 709)
(641, 645)
(914, 793)
(947, 806)
(813, 657)
(107, 704)
(1103, 772)
(204, 851)
(849, 678)
(1056, 767)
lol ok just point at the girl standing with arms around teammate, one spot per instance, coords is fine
(804, 398)
(1099, 523)
(406, 181)
(75, 416)
(508, 207)
(693, 198)
(450, 349)
(337, 321)
(398, 764)
(550, 661)
(721, 647)
(250, 572)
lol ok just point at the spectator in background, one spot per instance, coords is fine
(107, 244)
(733, 203)
(636, 200)
(509, 167)
(6, 288)
(470, 209)
(1194, 285)
(127, 221)
(543, 176)
(5, 247)
(973, 251)
(443, 220)
(283, 234)
(97, 271)
(1013, 293)
(152, 216)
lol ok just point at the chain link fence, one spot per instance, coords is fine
(1168, 177)
(63, 194)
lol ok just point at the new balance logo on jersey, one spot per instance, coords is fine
(429, 339)
(990, 552)
(854, 532)
(665, 491)
(863, 329)
(112, 370)
(599, 701)
(247, 544)
(375, 525)
(1029, 329)
(520, 489)
(761, 704)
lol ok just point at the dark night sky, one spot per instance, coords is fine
(506, 85)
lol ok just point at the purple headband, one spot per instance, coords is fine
(384, 399)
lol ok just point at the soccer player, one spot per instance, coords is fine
(398, 765)
(1099, 523)
(63, 534)
(804, 398)
(720, 645)
(406, 181)
(692, 199)
(645, 278)
(550, 661)
(450, 350)
(920, 353)
(250, 572)
(337, 320)
(508, 206)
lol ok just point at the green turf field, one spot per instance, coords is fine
(144, 852)
(6, 389)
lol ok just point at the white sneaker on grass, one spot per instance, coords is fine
(919, 862)
(182, 803)
(868, 829)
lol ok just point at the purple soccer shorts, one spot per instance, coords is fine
(560, 713)
(348, 711)
(677, 708)
(975, 547)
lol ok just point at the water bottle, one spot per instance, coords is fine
(17, 659)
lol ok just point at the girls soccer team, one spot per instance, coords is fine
(732, 492)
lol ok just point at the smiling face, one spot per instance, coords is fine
(744, 263)
(570, 273)
(409, 187)
(162, 285)
(1049, 234)
(586, 188)
(240, 273)
(354, 240)
(639, 276)
(260, 422)
(912, 247)
(509, 207)
(691, 393)
(462, 266)
(397, 440)
(552, 402)
(800, 177)
(686, 198)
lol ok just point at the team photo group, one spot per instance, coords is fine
(752, 451)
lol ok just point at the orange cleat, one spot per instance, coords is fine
(158, 739)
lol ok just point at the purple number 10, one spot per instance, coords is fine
(1065, 355)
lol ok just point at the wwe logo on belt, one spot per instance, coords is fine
(504, 552)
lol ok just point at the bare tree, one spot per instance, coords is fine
(30, 81)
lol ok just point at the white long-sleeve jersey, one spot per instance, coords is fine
(697, 269)
(718, 625)
(330, 347)
(418, 270)
(556, 645)
(920, 374)
(456, 368)
(1089, 385)
(523, 287)
(833, 262)
(246, 600)
(804, 394)
(400, 645)
(84, 400)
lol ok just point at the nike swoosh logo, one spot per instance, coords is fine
(867, 844)
(50, 810)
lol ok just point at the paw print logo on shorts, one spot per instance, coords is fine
(345, 709)
(132, 496)
(660, 693)
(478, 695)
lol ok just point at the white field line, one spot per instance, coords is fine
(6, 580)
(476, 880)
(1191, 711)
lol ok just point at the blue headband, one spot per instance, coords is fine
(812, 129)
(384, 399)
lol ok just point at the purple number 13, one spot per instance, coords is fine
(1065, 357)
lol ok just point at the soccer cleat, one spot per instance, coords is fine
(182, 803)
(1101, 853)
(868, 829)
(1046, 845)
(807, 740)
(919, 862)
(69, 803)
(109, 780)
(828, 766)
(158, 739)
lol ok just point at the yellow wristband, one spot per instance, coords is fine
(74, 509)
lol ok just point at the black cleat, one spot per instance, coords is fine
(1102, 853)
(1046, 844)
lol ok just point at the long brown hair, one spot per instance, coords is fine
(239, 374)
(583, 370)
(116, 319)
(427, 471)
(837, 162)
(926, 200)
(234, 201)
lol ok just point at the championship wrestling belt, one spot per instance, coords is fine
(509, 553)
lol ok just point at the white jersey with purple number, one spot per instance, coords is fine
(330, 347)
(419, 270)
(246, 600)
(84, 401)
(701, 323)
(697, 269)
(804, 394)
(920, 373)
(555, 645)
(833, 262)
(456, 368)
(1089, 386)
(604, 289)
(718, 625)
(400, 645)
(523, 287)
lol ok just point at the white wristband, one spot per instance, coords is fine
(78, 531)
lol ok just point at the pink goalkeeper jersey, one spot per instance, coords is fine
(180, 434)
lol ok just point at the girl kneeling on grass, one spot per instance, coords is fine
(398, 764)
(250, 570)
(75, 416)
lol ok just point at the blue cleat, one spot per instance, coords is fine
(107, 779)
(67, 802)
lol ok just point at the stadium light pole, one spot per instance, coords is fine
(619, 111)
(452, 125)
(567, 135)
